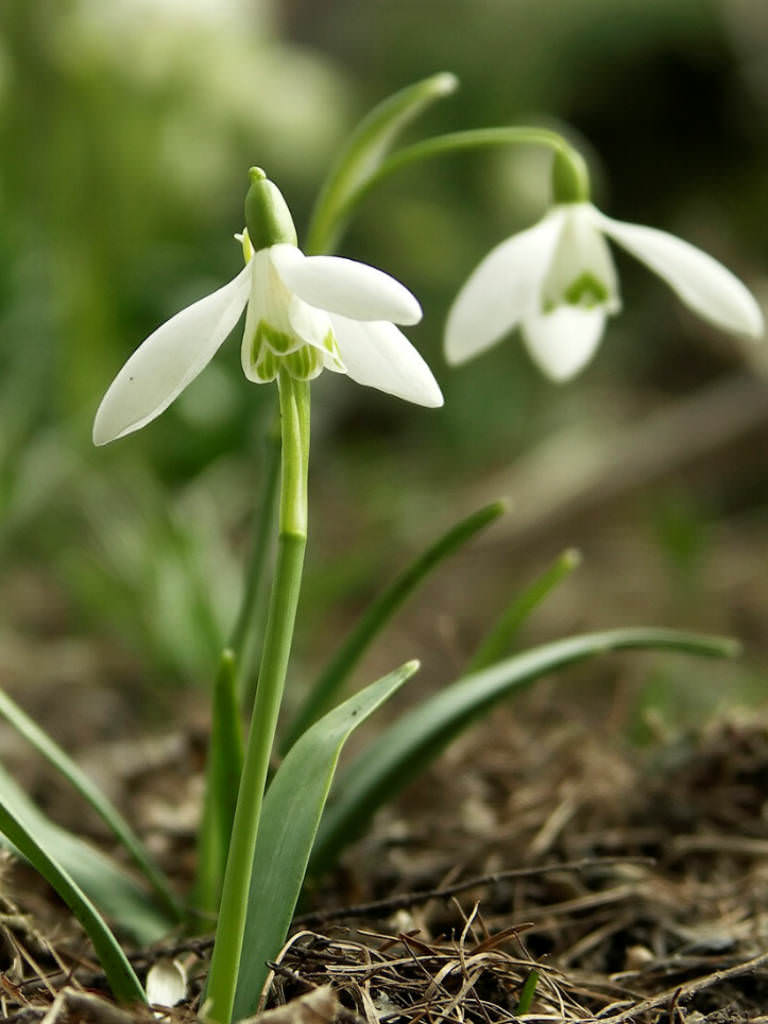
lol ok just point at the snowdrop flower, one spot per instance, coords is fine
(304, 314)
(557, 281)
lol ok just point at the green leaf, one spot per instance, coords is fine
(289, 821)
(407, 746)
(363, 154)
(326, 689)
(104, 881)
(498, 640)
(21, 831)
(222, 779)
(90, 792)
(526, 994)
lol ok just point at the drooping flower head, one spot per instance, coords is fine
(557, 282)
(304, 314)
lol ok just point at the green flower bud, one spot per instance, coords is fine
(267, 216)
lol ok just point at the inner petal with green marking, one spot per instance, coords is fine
(282, 331)
(272, 349)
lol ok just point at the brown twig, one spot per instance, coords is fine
(684, 992)
(378, 908)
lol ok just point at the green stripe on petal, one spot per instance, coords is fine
(305, 364)
(265, 370)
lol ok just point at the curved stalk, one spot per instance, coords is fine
(570, 165)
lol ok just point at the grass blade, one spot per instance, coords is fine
(362, 156)
(326, 690)
(222, 778)
(292, 809)
(91, 793)
(408, 745)
(498, 640)
(527, 993)
(125, 986)
(102, 879)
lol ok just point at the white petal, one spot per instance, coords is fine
(312, 325)
(379, 355)
(166, 983)
(501, 290)
(562, 342)
(702, 283)
(169, 360)
(352, 289)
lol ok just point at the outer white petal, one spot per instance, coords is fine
(700, 281)
(169, 360)
(166, 983)
(352, 289)
(562, 342)
(502, 289)
(379, 355)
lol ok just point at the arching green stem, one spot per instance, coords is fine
(570, 174)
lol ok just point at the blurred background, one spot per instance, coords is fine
(126, 131)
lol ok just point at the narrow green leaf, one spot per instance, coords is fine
(90, 792)
(327, 688)
(527, 993)
(225, 763)
(408, 745)
(498, 640)
(125, 986)
(104, 881)
(361, 157)
(289, 821)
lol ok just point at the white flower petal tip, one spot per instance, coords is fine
(379, 355)
(700, 281)
(169, 360)
(166, 983)
(346, 287)
(562, 342)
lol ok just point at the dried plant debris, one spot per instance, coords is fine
(553, 882)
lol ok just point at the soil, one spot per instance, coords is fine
(628, 886)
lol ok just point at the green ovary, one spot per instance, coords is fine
(586, 290)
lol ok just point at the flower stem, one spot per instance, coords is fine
(570, 164)
(248, 634)
(225, 963)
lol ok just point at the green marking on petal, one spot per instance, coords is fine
(279, 341)
(305, 363)
(587, 291)
(268, 365)
(272, 349)
(268, 340)
(331, 355)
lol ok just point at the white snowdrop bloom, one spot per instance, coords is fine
(304, 314)
(166, 984)
(557, 282)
